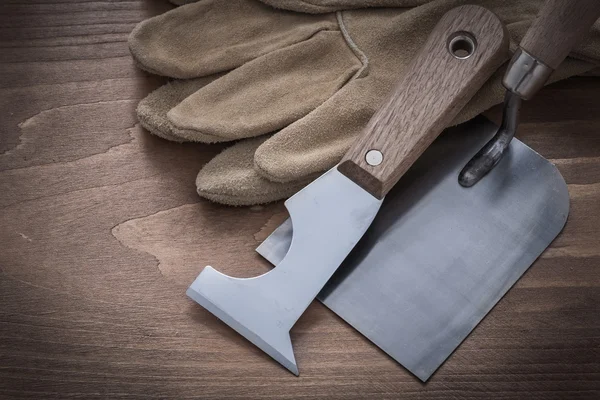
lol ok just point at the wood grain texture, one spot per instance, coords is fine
(436, 86)
(101, 231)
(559, 26)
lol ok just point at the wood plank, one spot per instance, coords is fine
(101, 231)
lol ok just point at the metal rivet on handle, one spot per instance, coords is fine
(374, 157)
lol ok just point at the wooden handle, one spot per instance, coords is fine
(559, 26)
(434, 89)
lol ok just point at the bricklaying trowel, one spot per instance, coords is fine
(331, 214)
(439, 256)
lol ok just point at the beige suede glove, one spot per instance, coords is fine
(316, 79)
(326, 6)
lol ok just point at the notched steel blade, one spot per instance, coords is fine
(329, 216)
(438, 256)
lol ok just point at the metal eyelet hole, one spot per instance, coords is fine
(462, 45)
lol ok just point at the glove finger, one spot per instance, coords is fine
(182, 2)
(268, 93)
(152, 110)
(230, 178)
(325, 6)
(211, 36)
(317, 142)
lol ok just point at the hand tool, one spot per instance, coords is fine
(560, 25)
(331, 214)
(439, 256)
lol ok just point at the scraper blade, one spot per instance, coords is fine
(438, 256)
(331, 214)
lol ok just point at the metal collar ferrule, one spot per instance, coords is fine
(525, 74)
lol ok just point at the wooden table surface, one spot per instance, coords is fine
(101, 231)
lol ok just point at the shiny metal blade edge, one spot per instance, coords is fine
(438, 256)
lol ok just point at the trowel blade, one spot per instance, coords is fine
(438, 256)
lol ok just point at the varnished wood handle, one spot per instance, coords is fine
(559, 26)
(434, 89)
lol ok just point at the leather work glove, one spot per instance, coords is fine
(325, 6)
(249, 70)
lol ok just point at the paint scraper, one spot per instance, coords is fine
(330, 215)
(458, 230)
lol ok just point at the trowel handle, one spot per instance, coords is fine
(467, 45)
(559, 26)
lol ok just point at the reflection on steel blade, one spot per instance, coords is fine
(330, 216)
(438, 256)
